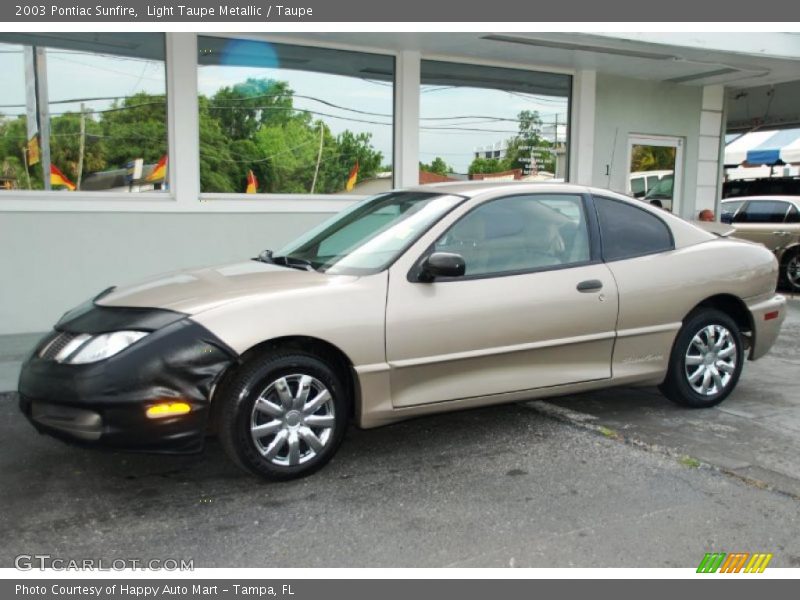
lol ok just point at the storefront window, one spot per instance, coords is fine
(479, 122)
(282, 119)
(83, 112)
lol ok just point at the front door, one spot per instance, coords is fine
(534, 309)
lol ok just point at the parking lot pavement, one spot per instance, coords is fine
(504, 486)
(754, 433)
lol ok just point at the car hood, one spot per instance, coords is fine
(197, 290)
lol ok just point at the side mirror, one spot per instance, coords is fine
(442, 264)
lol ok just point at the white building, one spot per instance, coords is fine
(417, 95)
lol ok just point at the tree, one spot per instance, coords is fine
(487, 165)
(352, 148)
(652, 158)
(252, 125)
(437, 166)
(135, 128)
(13, 140)
(242, 109)
(65, 136)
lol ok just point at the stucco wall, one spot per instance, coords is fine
(627, 106)
(49, 262)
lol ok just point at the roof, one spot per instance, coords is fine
(794, 199)
(473, 188)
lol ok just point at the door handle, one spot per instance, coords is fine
(590, 285)
(780, 233)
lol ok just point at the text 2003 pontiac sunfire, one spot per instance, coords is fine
(413, 302)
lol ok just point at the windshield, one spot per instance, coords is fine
(370, 235)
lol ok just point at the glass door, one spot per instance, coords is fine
(655, 170)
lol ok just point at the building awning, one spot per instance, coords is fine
(764, 148)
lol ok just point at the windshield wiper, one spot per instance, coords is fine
(286, 261)
(265, 257)
(293, 262)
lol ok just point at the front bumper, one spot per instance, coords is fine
(767, 315)
(104, 403)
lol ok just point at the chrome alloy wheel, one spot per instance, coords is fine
(710, 360)
(793, 271)
(292, 420)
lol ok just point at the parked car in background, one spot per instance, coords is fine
(432, 299)
(662, 193)
(642, 182)
(773, 221)
(765, 186)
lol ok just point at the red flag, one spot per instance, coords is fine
(159, 172)
(58, 178)
(252, 182)
(352, 177)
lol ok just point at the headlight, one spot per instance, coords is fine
(87, 348)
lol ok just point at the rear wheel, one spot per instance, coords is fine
(706, 360)
(283, 415)
(790, 271)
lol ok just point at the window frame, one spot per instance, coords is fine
(32, 200)
(592, 227)
(570, 155)
(634, 206)
(183, 195)
(230, 197)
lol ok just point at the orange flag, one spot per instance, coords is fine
(252, 182)
(58, 178)
(159, 173)
(352, 178)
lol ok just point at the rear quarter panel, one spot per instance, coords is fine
(656, 293)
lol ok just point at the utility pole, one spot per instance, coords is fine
(319, 158)
(81, 148)
(555, 148)
(38, 104)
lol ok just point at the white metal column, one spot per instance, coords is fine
(581, 137)
(183, 118)
(406, 119)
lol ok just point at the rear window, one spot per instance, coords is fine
(628, 231)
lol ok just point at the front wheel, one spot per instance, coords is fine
(706, 360)
(283, 415)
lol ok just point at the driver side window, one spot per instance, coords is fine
(520, 233)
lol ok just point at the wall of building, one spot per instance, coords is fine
(50, 262)
(625, 106)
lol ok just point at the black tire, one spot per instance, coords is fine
(237, 414)
(677, 386)
(790, 271)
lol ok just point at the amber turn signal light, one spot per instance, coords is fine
(167, 409)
